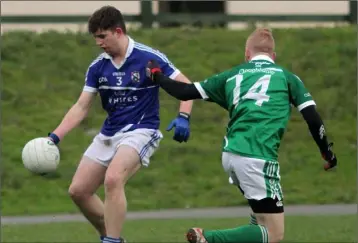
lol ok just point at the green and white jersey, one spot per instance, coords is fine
(258, 95)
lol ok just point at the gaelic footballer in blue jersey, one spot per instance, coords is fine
(130, 134)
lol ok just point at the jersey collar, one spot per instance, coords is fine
(128, 53)
(262, 57)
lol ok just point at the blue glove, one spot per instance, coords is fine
(182, 128)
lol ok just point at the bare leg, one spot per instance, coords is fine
(274, 223)
(87, 179)
(125, 163)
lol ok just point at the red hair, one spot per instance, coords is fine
(261, 40)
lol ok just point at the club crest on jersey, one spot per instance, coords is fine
(135, 76)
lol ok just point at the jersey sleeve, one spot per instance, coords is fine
(91, 80)
(213, 88)
(166, 66)
(300, 97)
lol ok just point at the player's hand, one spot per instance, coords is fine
(330, 158)
(152, 68)
(182, 127)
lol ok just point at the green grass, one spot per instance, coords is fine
(297, 229)
(44, 74)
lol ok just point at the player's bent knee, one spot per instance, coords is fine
(78, 193)
(275, 232)
(114, 181)
(88, 177)
(274, 226)
(275, 236)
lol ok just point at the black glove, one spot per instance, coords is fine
(330, 158)
(152, 68)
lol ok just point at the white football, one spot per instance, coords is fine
(40, 156)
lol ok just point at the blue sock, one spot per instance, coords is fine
(111, 240)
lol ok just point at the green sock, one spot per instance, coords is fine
(243, 234)
(253, 219)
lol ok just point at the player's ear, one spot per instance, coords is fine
(247, 55)
(118, 31)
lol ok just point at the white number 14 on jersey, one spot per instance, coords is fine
(256, 92)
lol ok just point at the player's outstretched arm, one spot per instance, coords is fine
(180, 90)
(317, 129)
(74, 116)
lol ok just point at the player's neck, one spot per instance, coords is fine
(122, 50)
(261, 54)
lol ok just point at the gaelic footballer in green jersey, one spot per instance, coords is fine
(258, 96)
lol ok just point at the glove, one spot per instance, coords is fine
(330, 158)
(152, 68)
(182, 129)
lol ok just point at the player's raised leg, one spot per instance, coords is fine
(87, 179)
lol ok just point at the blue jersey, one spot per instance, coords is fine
(130, 99)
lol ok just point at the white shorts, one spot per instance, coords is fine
(144, 141)
(256, 178)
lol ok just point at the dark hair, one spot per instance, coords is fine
(106, 18)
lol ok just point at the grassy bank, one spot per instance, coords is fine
(43, 75)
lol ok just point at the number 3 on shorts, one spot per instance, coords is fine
(260, 96)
